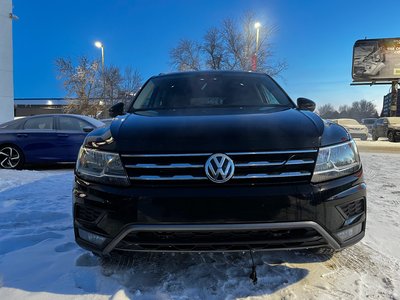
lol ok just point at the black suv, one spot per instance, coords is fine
(217, 161)
(386, 127)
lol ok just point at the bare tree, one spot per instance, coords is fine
(231, 46)
(131, 82)
(344, 111)
(80, 82)
(357, 110)
(326, 110)
(94, 91)
(112, 83)
(186, 55)
(363, 109)
(213, 49)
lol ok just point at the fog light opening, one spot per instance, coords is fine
(346, 234)
(91, 237)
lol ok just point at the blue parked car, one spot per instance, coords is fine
(43, 139)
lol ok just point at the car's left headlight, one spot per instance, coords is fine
(336, 161)
(100, 166)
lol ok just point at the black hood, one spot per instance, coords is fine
(216, 130)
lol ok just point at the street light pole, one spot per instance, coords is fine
(102, 58)
(101, 46)
(257, 26)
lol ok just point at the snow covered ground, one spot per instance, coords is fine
(39, 259)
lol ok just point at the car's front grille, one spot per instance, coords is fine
(250, 167)
(235, 240)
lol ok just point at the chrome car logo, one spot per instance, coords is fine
(219, 168)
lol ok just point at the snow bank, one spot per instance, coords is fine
(379, 146)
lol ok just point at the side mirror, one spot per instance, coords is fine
(116, 110)
(87, 129)
(305, 104)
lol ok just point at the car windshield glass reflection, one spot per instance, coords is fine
(210, 91)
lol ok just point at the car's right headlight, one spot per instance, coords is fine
(100, 166)
(336, 161)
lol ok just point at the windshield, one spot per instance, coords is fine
(348, 122)
(11, 125)
(394, 120)
(210, 90)
(369, 121)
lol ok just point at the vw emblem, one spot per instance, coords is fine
(219, 168)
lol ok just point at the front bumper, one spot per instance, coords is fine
(218, 218)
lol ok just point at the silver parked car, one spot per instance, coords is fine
(355, 129)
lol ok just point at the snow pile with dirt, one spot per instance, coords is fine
(39, 259)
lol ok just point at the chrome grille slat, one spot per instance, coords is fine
(271, 152)
(166, 155)
(267, 167)
(299, 161)
(249, 176)
(176, 177)
(280, 163)
(171, 166)
(259, 164)
(278, 175)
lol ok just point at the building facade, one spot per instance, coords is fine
(387, 99)
(38, 106)
(6, 62)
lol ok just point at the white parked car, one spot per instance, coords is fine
(355, 129)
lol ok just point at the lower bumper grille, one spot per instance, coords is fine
(222, 241)
(353, 208)
(87, 214)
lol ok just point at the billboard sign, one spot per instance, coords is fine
(376, 60)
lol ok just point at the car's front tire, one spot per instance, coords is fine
(11, 157)
(374, 137)
(364, 138)
(391, 136)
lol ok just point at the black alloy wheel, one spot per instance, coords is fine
(11, 157)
